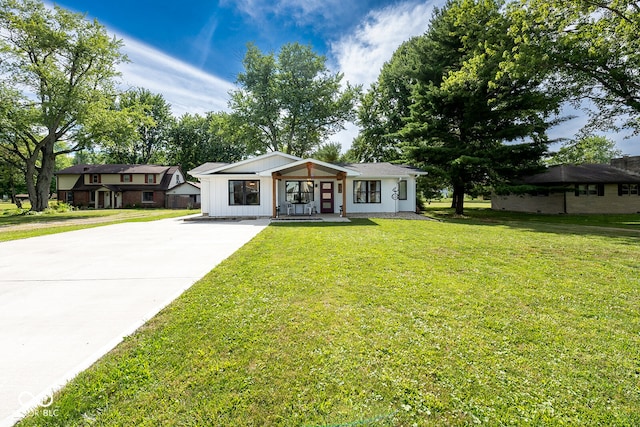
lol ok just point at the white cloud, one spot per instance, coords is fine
(186, 88)
(361, 54)
(302, 11)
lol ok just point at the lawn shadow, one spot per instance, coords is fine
(624, 235)
(353, 222)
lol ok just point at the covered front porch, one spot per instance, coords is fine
(308, 188)
(106, 197)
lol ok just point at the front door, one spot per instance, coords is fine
(326, 197)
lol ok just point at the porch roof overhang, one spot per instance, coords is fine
(308, 165)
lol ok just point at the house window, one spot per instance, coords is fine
(589, 190)
(126, 177)
(628, 189)
(367, 192)
(150, 178)
(245, 192)
(299, 191)
(69, 197)
(147, 197)
(95, 179)
(402, 190)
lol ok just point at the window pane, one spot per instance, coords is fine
(367, 192)
(235, 192)
(244, 192)
(293, 191)
(252, 192)
(402, 190)
(299, 191)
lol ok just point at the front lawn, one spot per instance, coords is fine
(385, 322)
(21, 224)
(480, 210)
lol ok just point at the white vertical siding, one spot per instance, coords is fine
(217, 204)
(388, 204)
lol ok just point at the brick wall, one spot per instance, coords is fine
(551, 204)
(132, 199)
(81, 199)
(609, 203)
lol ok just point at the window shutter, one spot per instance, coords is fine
(154, 178)
(121, 178)
(99, 178)
(600, 189)
(577, 190)
(619, 189)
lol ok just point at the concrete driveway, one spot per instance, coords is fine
(67, 299)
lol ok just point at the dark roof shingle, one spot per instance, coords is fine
(120, 168)
(589, 173)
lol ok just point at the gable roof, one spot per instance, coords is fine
(207, 168)
(303, 162)
(113, 169)
(384, 169)
(583, 174)
(221, 167)
(378, 170)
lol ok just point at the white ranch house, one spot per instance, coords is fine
(281, 184)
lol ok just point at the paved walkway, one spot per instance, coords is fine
(67, 299)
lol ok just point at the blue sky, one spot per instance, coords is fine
(191, 51)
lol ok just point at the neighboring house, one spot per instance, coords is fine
(117, 186)
(577, 189)
(184, 196)
(278, 183)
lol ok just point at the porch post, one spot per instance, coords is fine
(344, 194)
(274, 188)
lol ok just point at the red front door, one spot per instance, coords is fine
(326, 197)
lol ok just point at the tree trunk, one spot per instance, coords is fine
(45, 175)
(458, 199)
(29, 178)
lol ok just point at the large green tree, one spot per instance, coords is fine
(384, 107)
(292, 101)
(591, 50)
(215, 137)
(144, 136)
(62, 69)
(470, 121)
(590, 149)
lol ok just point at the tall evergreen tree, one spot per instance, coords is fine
(470, 121)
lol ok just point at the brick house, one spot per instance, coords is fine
(579, 189)
(117, 186)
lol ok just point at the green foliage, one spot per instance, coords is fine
(426, 323)
(144, 124)
(591, 149)
(291, 103)
(477, 125)
(589, 49)
(329, 153)
(384, 107)
(216, 137)
(64, 67)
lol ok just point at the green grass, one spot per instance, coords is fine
(16, 224)
(480, 211)
(385, 322)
